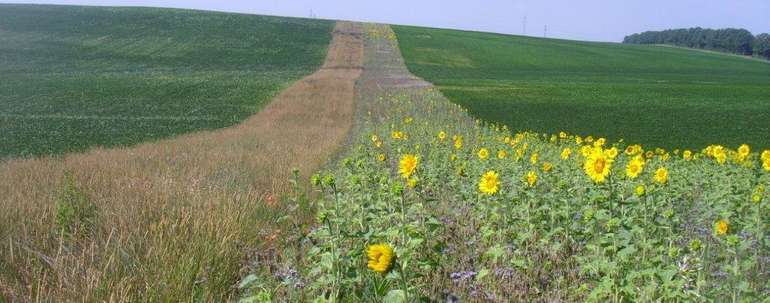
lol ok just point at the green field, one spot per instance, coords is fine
(76, 77)
(657, 96)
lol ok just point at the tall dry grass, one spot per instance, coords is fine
(175, 220)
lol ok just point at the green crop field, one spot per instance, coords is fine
(656, 96)
(76, 77)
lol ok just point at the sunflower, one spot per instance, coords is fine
(547, 166)
(375, 138)
(565, 153)
(489, 183)
(640, 190)
(408, 165)
(531, 178)
(597, 165)
(533, 159)
(483, 153)
(381, 157)
(501, 154)
(600, 142)
(765, 155)
(380, 257)
(766, 165)
(743, 151)
(458, 142)
(442, 136)
(719, 153)
(661, 175)
(397, 135)
(612, 152)
(721, 227)
(687, 155)
(635, 167)
(562, 135)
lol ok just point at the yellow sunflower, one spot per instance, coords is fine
(597, 165)
(533, 159)
(687, 155)
(721, 227)
(719, 154)
(408, 165)
(458, 142)
(489, 183)
(531, 178)
(565, 153)
(483, 153)
(381, 157)
(442, 136)
(547, 166)
(744, 150)
(661, 175)
(765, 155)
(635, 167)
(640, 190)
(501, 154)
(380, 257)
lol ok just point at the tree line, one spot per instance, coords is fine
(730, 40)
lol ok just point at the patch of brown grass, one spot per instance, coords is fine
(175, 218)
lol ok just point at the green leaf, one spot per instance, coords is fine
(482, 273)
(395, 296)
(247, 281)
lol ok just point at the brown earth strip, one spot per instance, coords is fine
(174, 217)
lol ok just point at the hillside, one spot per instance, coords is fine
(77, 77)
(656, 96)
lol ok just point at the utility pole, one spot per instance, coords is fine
(524, 26)
(545, 31)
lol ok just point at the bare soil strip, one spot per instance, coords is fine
(165, 202)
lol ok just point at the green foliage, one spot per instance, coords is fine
(762, 46)
(77, 77)
(731, 40)
(76, 214)
(657, 96)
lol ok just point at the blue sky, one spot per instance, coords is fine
(598, 20)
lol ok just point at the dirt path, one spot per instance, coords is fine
(178, 204)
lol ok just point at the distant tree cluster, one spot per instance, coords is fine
(731, 40)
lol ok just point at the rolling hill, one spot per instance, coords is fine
(77, 77)
(656, 96)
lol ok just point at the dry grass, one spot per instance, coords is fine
(176, 218)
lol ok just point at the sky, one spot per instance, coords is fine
(595, 20)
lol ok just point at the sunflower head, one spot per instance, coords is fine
(489, 183)
(483, 153)
(721, 227)
(687, 155)
(534, 158)
(639, 190)
(380, 257)
(597, 165)
(458, 142)
(744, 150)
(635, 167)
(441, 135)
(565, 153)
(531, 178)
(547, 166)
(501, 154)
(661, 175)
(408, 165)
(765, 155)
